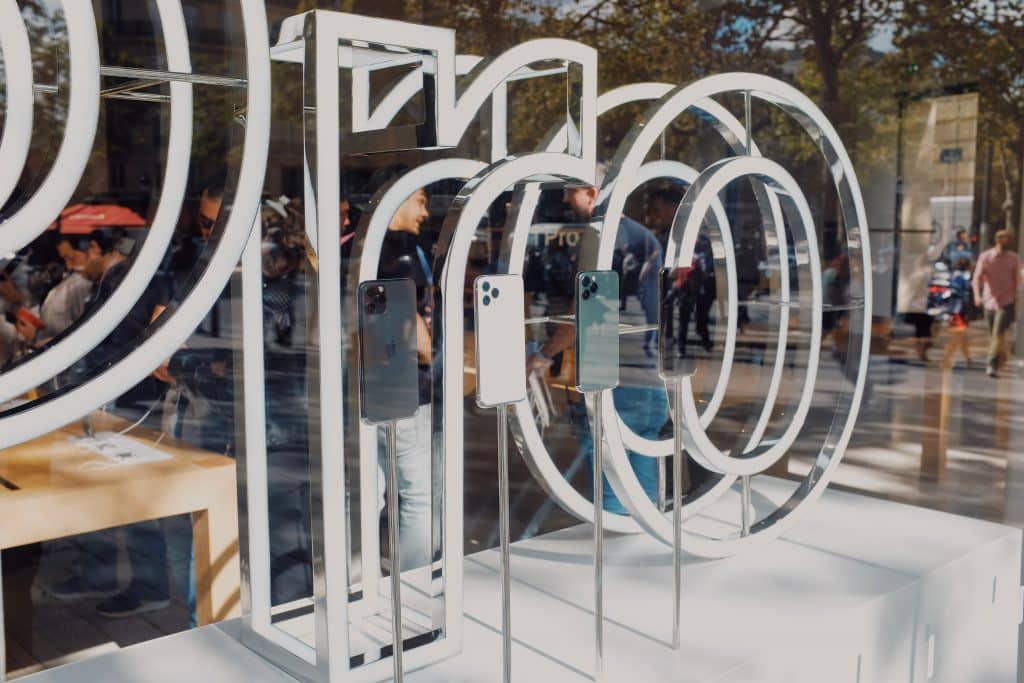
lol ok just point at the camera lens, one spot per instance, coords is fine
(487, 301)
(586, 294)
(593, 288)
(586, 280)
(495, 293)
(370, 308)
(486, 287)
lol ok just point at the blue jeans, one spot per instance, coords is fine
(415, 487)
(650, 301)
(644, 409)
(97, 560)
(152, 547)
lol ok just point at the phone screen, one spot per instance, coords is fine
(388, 371)
(597, 330)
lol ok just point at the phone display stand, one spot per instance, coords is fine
(387, 369)
(499, 319)
(391, 440)
(597, 370)
(674, 284)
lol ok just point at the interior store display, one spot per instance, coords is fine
(456, 91)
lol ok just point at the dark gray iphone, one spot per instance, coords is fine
(597, 330)
(388, 378)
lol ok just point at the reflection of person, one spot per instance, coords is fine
(641, 407)
(750, 254)
(996, 280)
(698, 297)
(403, 257)
(287, 441)
(637, 257)
(210, 200)
(917, 306)
(660, 212)
(957, 248)
(29, 328)
(106, 264)
(835, 285)
(958, 309)
(151, 545)
(66, 302)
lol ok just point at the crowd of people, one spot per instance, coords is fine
(58, 285)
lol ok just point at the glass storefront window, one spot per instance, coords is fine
(123, 524)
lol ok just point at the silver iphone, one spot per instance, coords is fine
(498, 307)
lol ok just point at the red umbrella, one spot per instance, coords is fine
(81, 219)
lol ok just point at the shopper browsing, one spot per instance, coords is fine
(402, 256)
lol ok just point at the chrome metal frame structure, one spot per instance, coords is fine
(338, 53)
(365, 43)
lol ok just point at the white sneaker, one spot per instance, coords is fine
(991, 371)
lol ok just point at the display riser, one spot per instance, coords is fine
(862, 590)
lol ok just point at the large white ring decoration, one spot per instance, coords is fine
(616, 189)
(83, 338)
(688, 219)
(757, 458)
(16, 137)
(613, 196)
(173, 327)
(35, 216)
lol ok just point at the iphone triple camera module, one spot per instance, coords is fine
(375, 300)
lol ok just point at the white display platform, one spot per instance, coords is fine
(862, 590)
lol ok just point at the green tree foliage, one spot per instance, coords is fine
(981, 42)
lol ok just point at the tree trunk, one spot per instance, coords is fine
(1008, 189)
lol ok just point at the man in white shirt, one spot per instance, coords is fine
(66, 302)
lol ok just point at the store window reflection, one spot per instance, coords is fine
(131, 531)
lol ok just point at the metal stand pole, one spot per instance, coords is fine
(3, 632)
(677, 511)
(505, 544)
(391, 435)
(598, 541)
(745, 499)
(662, 476)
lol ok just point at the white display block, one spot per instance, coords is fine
(863, 590)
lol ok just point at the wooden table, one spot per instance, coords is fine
(48, 491)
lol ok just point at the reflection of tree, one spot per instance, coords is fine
(47, 35)
(967, 41)
(832, 35)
